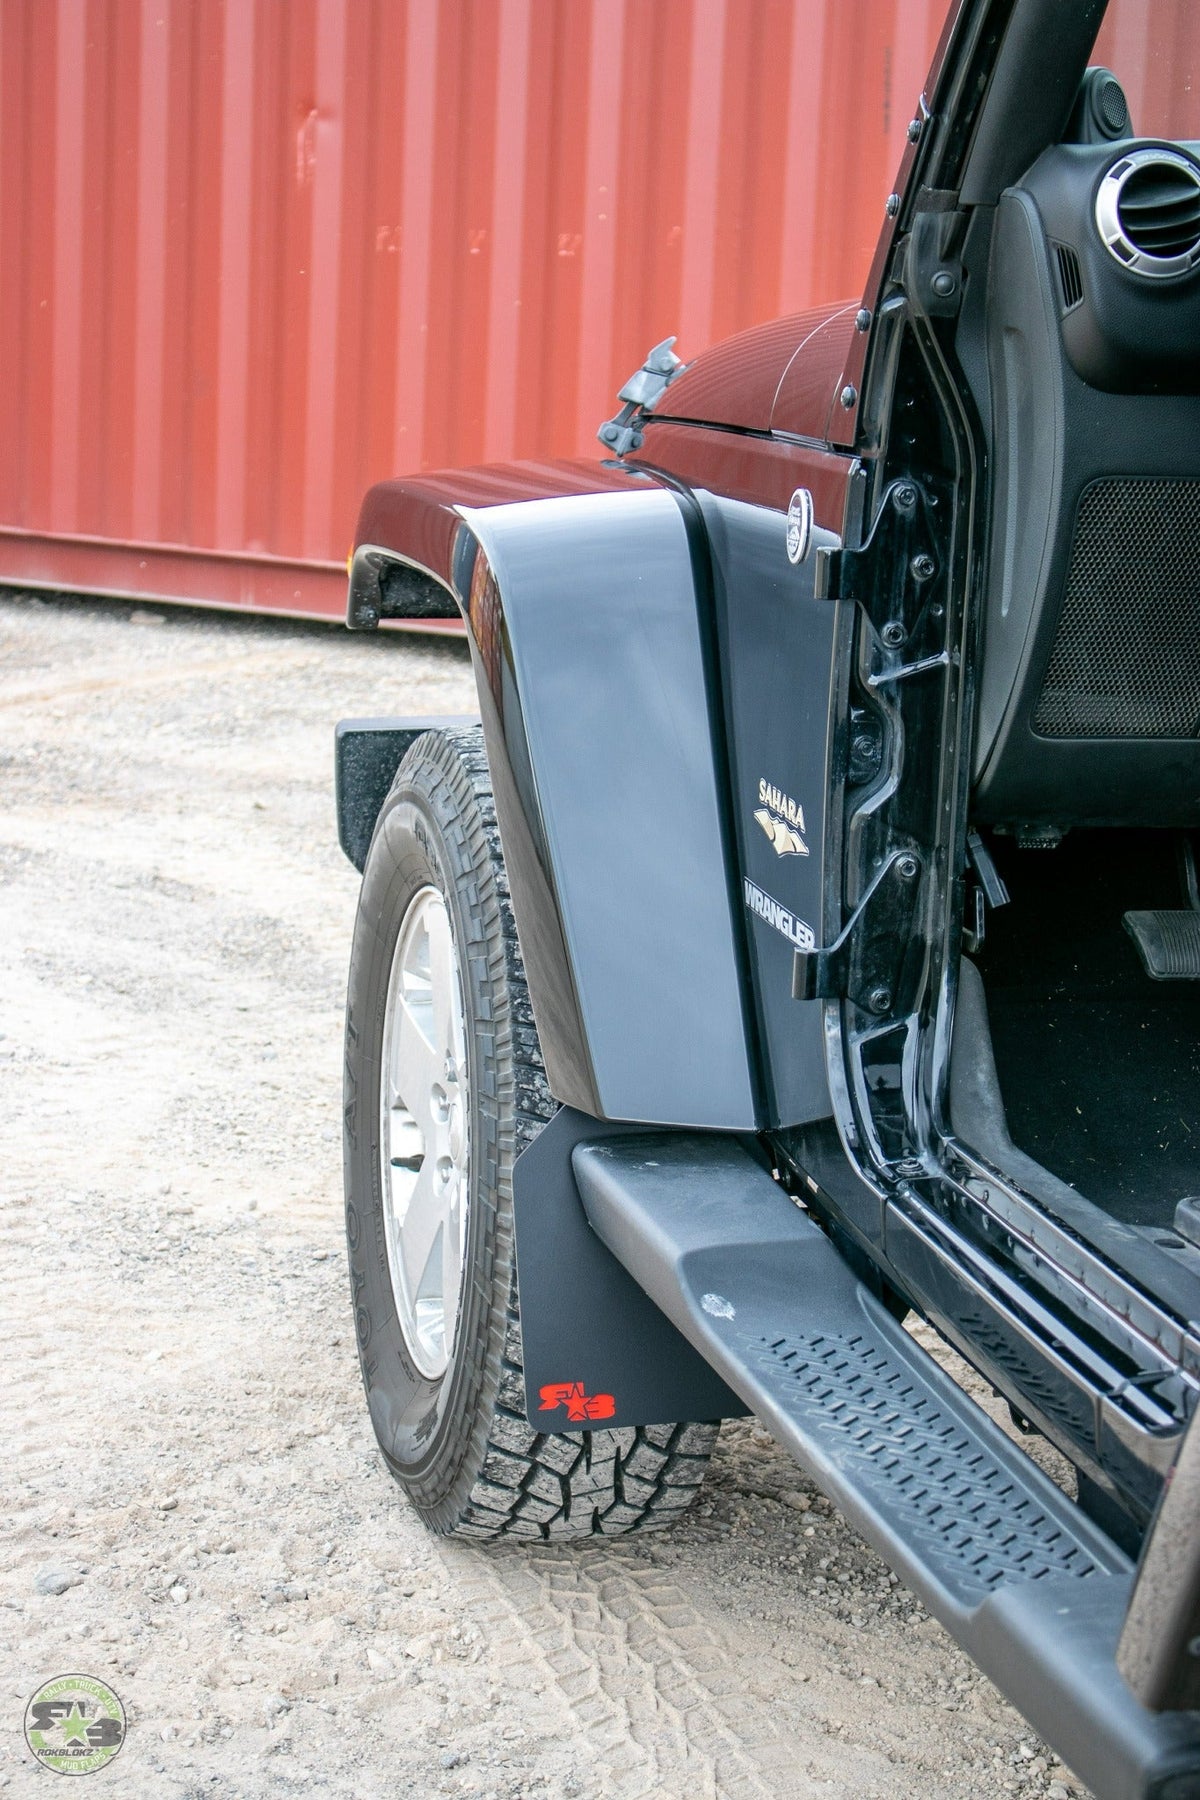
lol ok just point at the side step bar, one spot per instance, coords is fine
(996, 1551)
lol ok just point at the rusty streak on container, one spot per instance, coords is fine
(255, 255)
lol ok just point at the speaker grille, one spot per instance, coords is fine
(1126, 657)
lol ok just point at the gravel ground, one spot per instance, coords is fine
(187, 1455)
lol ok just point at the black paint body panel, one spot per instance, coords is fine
(777, 656)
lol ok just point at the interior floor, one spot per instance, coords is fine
(1099, 1065)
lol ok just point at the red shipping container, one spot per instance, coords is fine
(256, 254)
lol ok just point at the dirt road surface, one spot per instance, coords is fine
(185, 1449)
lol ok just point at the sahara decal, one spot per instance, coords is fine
(778, 918)
(581, 1407)
(782, 818)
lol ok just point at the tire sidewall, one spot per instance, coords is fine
(424, 1427)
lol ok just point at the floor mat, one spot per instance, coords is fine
(1099, 1066)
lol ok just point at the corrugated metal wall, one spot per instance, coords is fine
(255, 254)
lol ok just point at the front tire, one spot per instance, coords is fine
(444, 1088)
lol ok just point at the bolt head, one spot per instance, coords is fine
(879, 999)
(922, 566)
(906, 495)
(906, 867)
(893, 634)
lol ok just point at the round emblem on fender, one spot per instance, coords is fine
(799, 525)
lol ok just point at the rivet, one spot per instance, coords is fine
(943, 284)
(848, 397)
(893, 205)
(914, 130)
(862, 319)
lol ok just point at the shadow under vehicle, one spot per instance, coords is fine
(808, 931)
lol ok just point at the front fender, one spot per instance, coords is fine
(589, 641)
(588, 619)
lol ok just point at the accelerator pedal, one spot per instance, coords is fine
(1010, 1565)
(1167, 942)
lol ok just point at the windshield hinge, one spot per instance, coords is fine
(641, 394)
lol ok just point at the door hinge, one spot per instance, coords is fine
(898, 554)
(875, 963)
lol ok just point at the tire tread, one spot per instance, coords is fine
(530, 1484)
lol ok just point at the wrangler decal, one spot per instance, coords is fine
(769, 910)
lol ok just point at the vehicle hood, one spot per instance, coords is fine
(782, 375)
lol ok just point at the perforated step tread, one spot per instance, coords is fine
(970, 1515)
(1001, 1555)
(927, 1475)
(1167, 942)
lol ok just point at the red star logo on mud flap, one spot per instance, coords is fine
(582, 1408)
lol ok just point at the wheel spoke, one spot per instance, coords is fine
(443, 981)
(424, 1114)
(415, 1066)
(419, 1226)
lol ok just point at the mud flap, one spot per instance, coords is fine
(597, 1350)
(366, 755)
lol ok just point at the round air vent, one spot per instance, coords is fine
(1148, 212)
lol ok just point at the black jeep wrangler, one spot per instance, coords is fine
(808, 931)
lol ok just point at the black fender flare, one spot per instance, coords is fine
(586, 592)
(586, 618)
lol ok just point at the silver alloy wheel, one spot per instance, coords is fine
(424, 1135)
